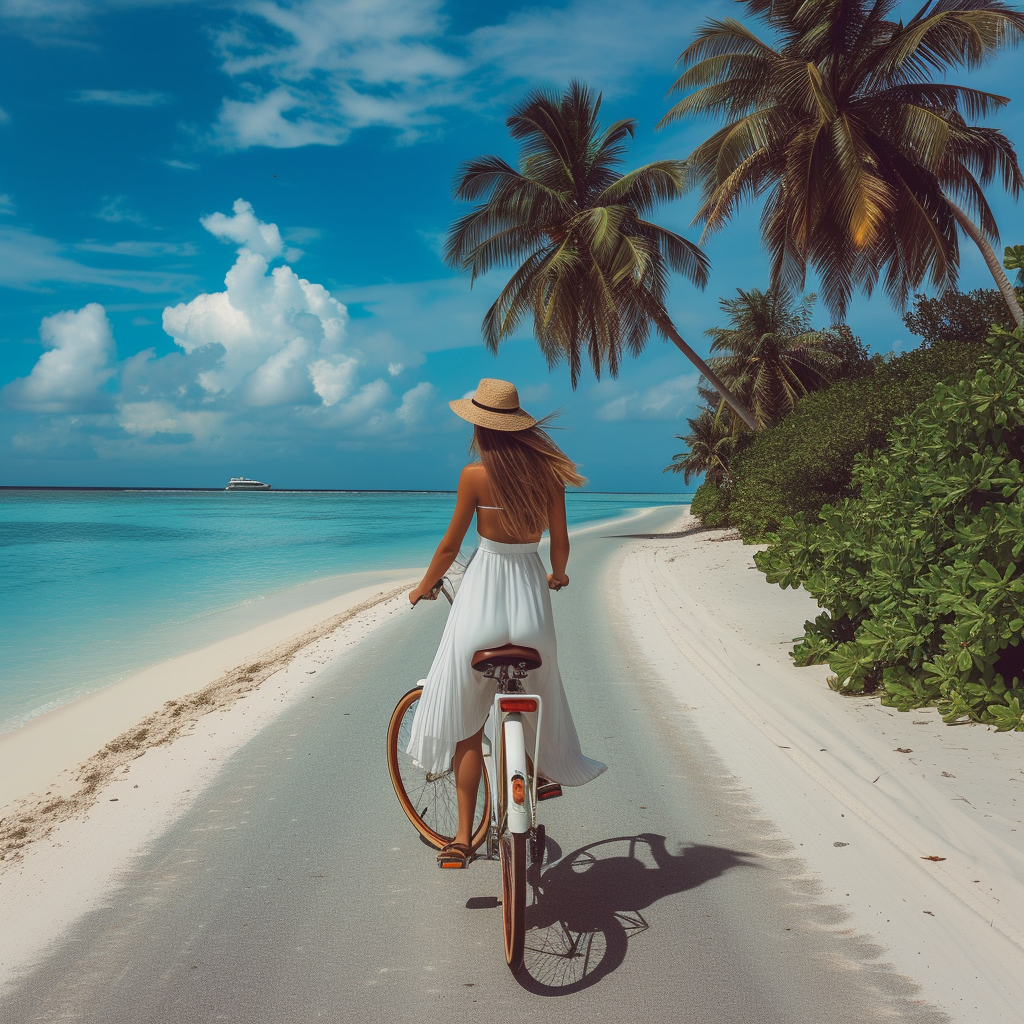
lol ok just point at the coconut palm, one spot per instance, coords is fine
(866, 164)
(774, 357)
(710, 444)
(590, 269)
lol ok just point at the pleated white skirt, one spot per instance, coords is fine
(504, 598)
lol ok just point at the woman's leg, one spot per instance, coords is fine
(468, 763)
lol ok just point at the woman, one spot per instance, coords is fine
(516, 491)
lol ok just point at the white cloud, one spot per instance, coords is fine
(668, 400)
(27, 261)
(70, 376)
(4, 116)
(6, 203)
(312, 72)
(243, 227)
(122, 97)
(180, 165)
(139, 248)
(146, 419)
(261, 122)
(281, 335)
(416, 402)
(268, 356)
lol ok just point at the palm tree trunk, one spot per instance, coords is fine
(1002, 281)
(668, 329)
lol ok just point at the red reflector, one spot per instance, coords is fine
(517, 704)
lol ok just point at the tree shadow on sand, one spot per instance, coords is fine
(587, 905)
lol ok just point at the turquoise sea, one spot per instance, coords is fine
(95, 585)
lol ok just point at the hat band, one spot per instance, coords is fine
(491, 408)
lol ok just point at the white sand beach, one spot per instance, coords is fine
(864, 795)
(859, 794)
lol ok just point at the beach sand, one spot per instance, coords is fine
(862, 794)
(856, 794)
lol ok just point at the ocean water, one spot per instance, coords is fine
(96, 585)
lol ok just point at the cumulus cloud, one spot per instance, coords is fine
(281, 336)
(6, 203)
(243, 227)
(668, 400)
(268, 356)
(70, 376)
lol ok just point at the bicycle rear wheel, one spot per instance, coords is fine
(431, 802)
(512, 852)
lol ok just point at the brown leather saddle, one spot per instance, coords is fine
(510, 655)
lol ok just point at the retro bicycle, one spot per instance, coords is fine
(506, 814)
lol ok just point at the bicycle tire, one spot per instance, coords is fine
(430, 803)
(512, 853)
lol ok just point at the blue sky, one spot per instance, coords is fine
(220, 229)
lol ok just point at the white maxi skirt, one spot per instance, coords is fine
(504, 598)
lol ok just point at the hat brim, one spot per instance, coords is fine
(518, 420)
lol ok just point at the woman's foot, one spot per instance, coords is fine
(455, 855)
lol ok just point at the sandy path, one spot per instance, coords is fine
(861, 792)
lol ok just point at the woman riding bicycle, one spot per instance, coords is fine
(516, 491)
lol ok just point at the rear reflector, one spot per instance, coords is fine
(518, 789)
(508, 704)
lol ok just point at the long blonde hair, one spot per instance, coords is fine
(528, 473)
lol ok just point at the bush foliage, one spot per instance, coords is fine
(922, 575)
(711, 504)
(806, 460)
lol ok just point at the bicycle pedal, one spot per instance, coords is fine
(549, 792)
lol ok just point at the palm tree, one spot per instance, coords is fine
(866, 163)
(774, 356)
(710, 445)
(590, 269)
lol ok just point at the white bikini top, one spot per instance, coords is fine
(491, 508)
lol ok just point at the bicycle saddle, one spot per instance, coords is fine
(510, 654)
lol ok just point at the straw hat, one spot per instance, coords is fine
(495, 406)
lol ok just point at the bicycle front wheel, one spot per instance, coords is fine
(512, 852)
(430, 801)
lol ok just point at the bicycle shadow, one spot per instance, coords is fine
(587, 905)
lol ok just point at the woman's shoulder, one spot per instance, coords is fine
(473, 471)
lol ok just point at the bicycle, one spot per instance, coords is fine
(508, 822)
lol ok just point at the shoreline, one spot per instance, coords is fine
(911, 829)
(48, 750)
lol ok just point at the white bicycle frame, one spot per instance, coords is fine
(518, 817)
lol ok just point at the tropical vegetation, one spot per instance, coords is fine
(769, 354)
(866, 165)
(921, 573)
(591, 268)
(963, 317)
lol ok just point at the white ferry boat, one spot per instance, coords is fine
(241, 483)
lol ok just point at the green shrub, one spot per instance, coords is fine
(711, 504)
(806, 460)
(922, 575)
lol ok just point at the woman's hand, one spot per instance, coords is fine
(556, 582)
(428, 594)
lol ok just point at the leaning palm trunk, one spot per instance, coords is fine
(668, 329)
(996, 268)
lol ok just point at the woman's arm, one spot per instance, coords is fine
(448, 549)
(559, 533)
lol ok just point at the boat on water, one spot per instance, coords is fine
(241, 483)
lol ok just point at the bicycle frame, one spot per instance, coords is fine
(509, 749)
